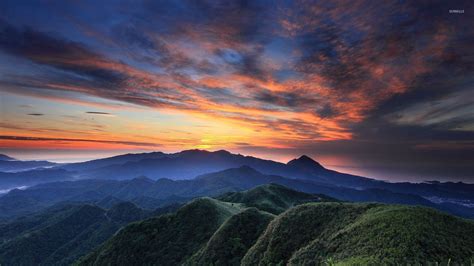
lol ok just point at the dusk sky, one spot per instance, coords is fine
(382, 89)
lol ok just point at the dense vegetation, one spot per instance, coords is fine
(151, 194)
(167, 239)
(61, 234)
(272, 198)
(231, 241)
(213, 232)
(363, 234)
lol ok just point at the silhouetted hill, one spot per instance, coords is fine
(9, 164)
(61, 234)
(191, 163)
(4, 157)
(115, 160)
(303, 174)
(305, 162)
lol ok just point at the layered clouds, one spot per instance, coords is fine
(321, 77)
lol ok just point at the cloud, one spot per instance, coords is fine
(130, 143)
(36, 114)
(292, 73)
(100, 113)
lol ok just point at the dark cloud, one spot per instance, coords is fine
(296, 100)
(36, 114)
(58, 53)
(388, 81)
(131, 143)
(98, 113)
(326, 111)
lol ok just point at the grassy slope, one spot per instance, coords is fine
(232, 240)
(61, 235)
(362, 234)
(272, 198)
(212, 232)
(33, 247)
(167, 239)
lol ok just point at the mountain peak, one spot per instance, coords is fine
(4, 157)
(222, 152)
(305, 161)
(143, 179)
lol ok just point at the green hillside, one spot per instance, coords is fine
(363, 234)
(232, 240)
(167, 239)
(216, 232)
(272, 198)
(60, 235)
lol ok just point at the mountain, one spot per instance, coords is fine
(305, 163)
(272, 198)
(4, 157)
(363, 234)
(458, 198)
(9, 164)
(115, 160)
(32, 177)
(218, 229)
(214, 232)
(191, 163)
(151, 194)
(61, 234)
(230, 242)
(185, 165)
(167, 239)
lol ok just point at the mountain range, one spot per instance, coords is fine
(300, 229)
(151, 180)
(62, 233)
(251, 219)
(10, 164)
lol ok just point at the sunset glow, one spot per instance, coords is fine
(354, 84)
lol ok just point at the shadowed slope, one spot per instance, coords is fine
(62, 234)
(232, 240)
(168, 239)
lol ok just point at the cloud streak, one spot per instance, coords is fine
(99, 113)
(130, 143)
(289, 73)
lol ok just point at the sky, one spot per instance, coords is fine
(382, 89)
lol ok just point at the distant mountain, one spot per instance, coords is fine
(191, 163)
(32, 177)
(182, 165)
(61, 234)
(115, 160)
(151, 194)
(213, 232)
(188, 164)
(9, 164)
(305, 163)
(4, 157)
